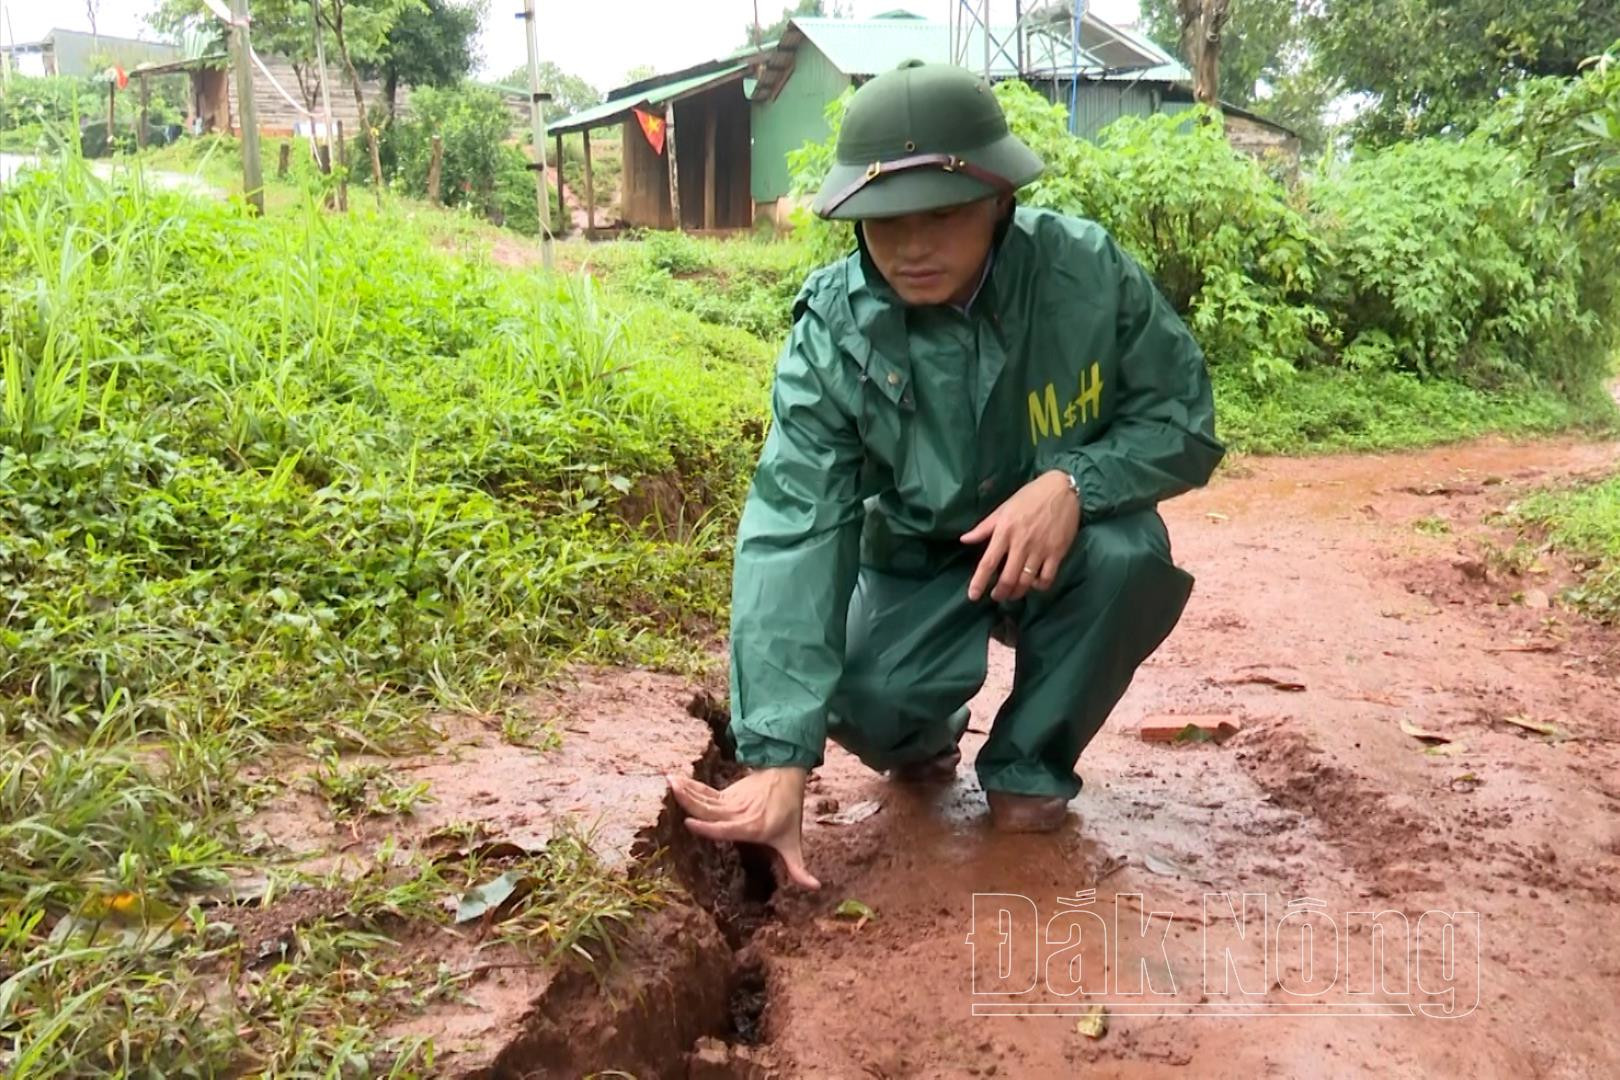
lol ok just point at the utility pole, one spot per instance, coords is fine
(5, 54)
(320, 64)
(247, 117)
(537, 100)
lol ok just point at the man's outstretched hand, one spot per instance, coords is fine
(764, 807)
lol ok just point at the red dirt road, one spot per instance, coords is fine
(1324, 619)
(1312, 573)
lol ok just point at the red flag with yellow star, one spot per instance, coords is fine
(652, 127)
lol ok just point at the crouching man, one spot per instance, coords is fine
(973, 421)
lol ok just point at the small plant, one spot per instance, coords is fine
(1433, 525)
(353, 791)
(518, 729)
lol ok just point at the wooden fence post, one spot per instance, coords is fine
(590, 187)
(562, 205)
(283, 161)
(710, 183)
(435, 171)
(674, 173)
(343, 170)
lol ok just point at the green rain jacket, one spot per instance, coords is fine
(895, 430)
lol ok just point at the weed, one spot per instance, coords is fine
(1583, 523)
(520, 730)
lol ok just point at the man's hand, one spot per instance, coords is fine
(1028, 536)
(764, 807)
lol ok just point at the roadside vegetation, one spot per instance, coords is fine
(1583, 525)
(301, 482)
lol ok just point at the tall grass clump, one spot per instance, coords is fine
(295, 482)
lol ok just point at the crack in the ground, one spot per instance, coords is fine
(688, 995)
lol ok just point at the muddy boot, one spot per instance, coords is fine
(939, 769)
(1026, 813)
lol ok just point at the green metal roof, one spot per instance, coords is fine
(618, 108)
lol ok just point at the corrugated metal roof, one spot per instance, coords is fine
(871, 46)
(616, 109)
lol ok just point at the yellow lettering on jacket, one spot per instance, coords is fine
(1044, 421)
(1090, 396)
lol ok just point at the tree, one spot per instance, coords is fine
(360, 31)
(1258, 44)
(1266, 62)
(431, 45)
(569, 93)
(637, 74)
(808, 9)
(1203, 22)
(1435, 65)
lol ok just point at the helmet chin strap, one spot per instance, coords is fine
(944, 162)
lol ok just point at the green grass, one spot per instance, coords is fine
(1325, 410)
(1582, 523)
(745, 283)
(301, 481)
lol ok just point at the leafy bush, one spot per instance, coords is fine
(1438, 269)
(1218, 234)
(1439, 257)
(481, 169)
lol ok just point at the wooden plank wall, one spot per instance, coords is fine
(645, 181)
(278, 117)
(728, 110)
(646, 201)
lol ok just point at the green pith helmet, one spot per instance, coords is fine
(922, 137)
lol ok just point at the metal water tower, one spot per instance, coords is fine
(1041, 44)
(1041, 39)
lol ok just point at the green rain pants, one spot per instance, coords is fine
(917, 652)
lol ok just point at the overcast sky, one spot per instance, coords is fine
(597, 39)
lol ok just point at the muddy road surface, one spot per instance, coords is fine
(1404, 860)
(1385, 871)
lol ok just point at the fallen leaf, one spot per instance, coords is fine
(1213, 516)
(1541, 727)
(486, 898)
(1450, 749)
(1164, 867)
(1094, 1024)
(1409, 728)
(851, 814)
(1465, 783)
(854, 909)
